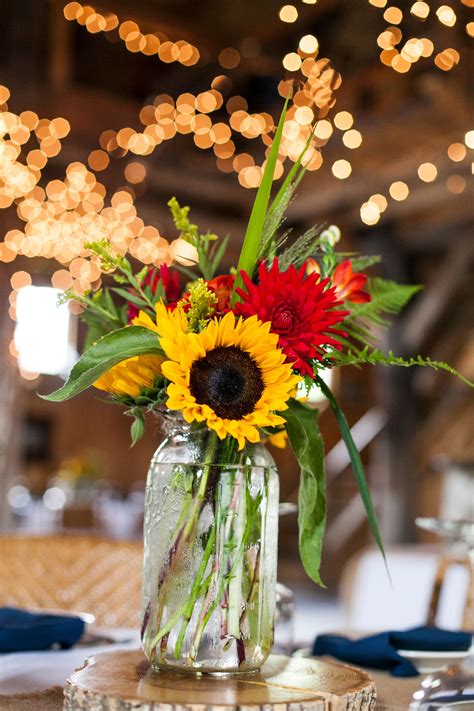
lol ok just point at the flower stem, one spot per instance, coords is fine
(187, 612)
(186, 524)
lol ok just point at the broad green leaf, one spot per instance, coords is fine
(102, 355)
(249, 252)
(307, 444)
(356, 461)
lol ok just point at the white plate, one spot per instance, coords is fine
(427, 662)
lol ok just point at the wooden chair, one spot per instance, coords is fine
(73, 573)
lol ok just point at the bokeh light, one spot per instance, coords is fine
(427, 172)
(399, 190)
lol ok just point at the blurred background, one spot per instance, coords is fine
(109, 110)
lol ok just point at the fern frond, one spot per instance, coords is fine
(375, 356)
(387, 297)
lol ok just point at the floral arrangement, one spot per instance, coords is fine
(235, 353)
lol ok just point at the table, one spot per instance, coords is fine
(33, 681)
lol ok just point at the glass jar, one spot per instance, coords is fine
(210, 559)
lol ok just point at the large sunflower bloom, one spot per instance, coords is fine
(132, 376)
(231, 375)
(300, 309)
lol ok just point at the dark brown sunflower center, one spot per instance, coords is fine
(228, 380)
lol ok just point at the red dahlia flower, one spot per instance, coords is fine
(170, 281)
(300, 309)
(348, 285)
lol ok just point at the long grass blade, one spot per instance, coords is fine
(357, 466)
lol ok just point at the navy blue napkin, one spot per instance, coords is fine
(23, 631)
(379, 651)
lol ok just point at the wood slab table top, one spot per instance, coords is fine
(123, 681)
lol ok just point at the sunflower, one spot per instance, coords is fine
(231, 375)
(132, 376)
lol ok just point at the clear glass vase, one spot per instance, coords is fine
(211, 528)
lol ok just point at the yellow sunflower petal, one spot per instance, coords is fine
(131, 376)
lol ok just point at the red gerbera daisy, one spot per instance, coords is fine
(300, 309)
(170, 281)
(349, 285)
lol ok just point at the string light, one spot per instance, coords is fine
(380, 201)
(288, 13)
(341, 169)
(447, 59)
(446, 15)
(420, 9)
(393, 15)
(427, 172)
(352, 138)
(457, 152)
(469, 139)
(399, 190)
(309, 44)
(415, 48)
(370, 213)
(292, 61)
(157, 44)
(229, 58)
(456, 184)
(343, 120)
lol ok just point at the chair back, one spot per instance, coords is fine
(73, 573)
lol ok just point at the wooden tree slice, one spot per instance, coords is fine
(122, 681)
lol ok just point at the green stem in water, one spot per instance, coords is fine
(187, 612)
(225, 580)
(186, 524)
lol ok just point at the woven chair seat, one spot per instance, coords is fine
(73, 573)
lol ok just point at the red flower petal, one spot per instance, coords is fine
(300, 308)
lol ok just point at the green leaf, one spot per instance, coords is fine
(110, 304)
(307, 444)
(130, 296)
(105, 353)
(137, 428)
(248, 254)
(357, 465)
(387, 297)
(218, 254)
